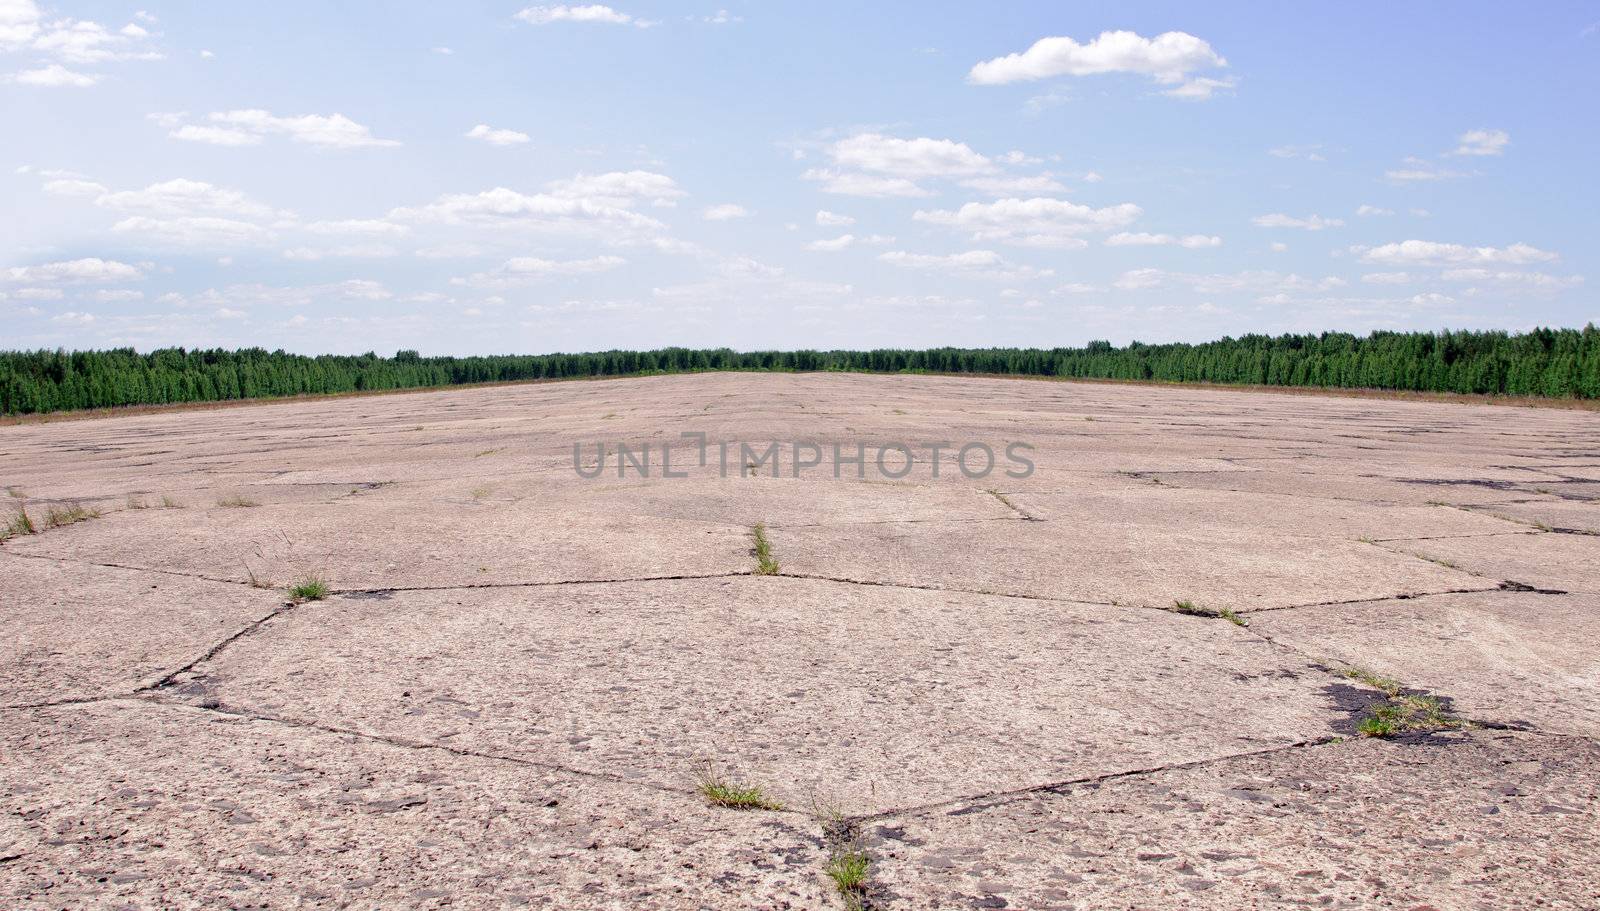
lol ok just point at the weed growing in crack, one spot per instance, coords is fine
(137, 503)
(311, 588)
(237, 502)
(21, 524)
(1401, 711)
(848, 863)
(1192, 609)
(719, 793)
(170, 503)
(765, 565)
(68, 515)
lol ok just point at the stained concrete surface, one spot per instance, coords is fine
(981, 683)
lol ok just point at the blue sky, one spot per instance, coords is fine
(486, 177)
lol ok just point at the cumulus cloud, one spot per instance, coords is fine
(484, 133)
(845, 241)
(1191, 241)
(1430, 253)
(191, 231)
(182, 196)
(619, 188)
(54, 75)
(985, 264)
(1483, 142)
(1309, 223)
(90, 270)
(1366, 211)
(1168, 58)
(867, 185)
(596, 205)
(909, 158)
(594, 13)
(725, 212)
(831, 220)
(1036, 222)
(250, 126)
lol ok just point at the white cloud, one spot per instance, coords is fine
(38, 294)
(1201, 88)
(1483, 142)
(1367, 211)
(1429, 253)
(1278, 247)
(182, 196)
(1191, 241)
(484, 133)
(73, 318)
(546, 15)
(524, 269)
(1309, 153)
(1168, 58)
(831, 220)
(1418, 169)
(90, 270)
(1388, 278)
(54, 76)
(19, 23)
(619, 188)
(985, 264)
(76, 40)
(1037, 222)
(1309, 223)
(909, 158)
(851, 184)
(1012, 186)
(327, 130)
(74, 186)
(191, 231)
(346, 251)
(725, 212)
(1258, 282)
(834, 245)
(217, 136)
(1538, 281)
(595, 205)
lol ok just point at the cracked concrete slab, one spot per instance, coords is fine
(389, 542)
(1102, 559)
(75, 631)
(138, 804)
(870, 697)
(1491, 653)
(1553, 561)
(1482, 819)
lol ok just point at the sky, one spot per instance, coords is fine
(485, 177)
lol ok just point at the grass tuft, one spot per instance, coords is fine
(72, 513)
(170, 503)
(765, 565)
(1401, 711)
(847, 867)
(720, 793)
(237, 502)
(21, 524)
(311, 588)
(137, 502)
(1195, 610)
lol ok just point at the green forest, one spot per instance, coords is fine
(1559, 363)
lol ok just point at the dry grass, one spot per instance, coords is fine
(237, 502)
(72, 513)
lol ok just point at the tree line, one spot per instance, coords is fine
(1557, 363)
